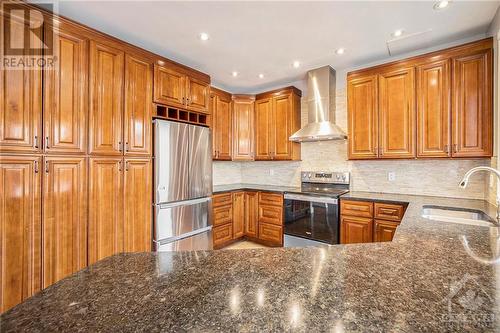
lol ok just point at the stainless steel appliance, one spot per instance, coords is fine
(312, 215)
(183, 186)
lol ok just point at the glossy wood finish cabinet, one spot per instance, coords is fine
(137, 198)
(243, 128)
(20, 228)
(138, 106)
(238, 214)
(363, 117)
(222, 128)
(106, 99)
(105, 208)
(20, 96)
(437, 105)
(270, 218)
(198, 95)
(66, 92)
(251, 213)
(263, 125)
(64, 217)
(222, 232)
(367, 221)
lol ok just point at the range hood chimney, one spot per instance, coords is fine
(320, 108)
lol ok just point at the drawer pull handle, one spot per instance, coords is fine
(389, 211)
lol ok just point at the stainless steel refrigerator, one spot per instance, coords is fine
(183, 186)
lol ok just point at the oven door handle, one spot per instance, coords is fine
(309, 198)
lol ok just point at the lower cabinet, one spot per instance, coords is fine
(366, 221)
(247, 214)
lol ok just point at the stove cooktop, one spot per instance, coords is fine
(326, 184)
(325, 192)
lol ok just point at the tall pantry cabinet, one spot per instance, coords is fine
(75, 158)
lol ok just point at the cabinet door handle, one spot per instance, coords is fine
(120, 146)
(446, 149)
(36, 141)
(455, 148)
(183, 100)
(126, 166)
(36, 166)
(46, 166)
(119, 165)
(47, 142)
(187, 101)
(126, 146)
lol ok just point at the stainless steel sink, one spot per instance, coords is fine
(457, 215)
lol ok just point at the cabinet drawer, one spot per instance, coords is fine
(356, 208)
(388, 211)
(222, 199)
(271, 233)
(223, 215)
(222, 234)
(274, 199)
(271, 214)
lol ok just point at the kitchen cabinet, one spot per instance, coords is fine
(105, 208)
(251, 214)
(137, 191)
(472, 104)
(270, 218)
(243, 128)
(397, 114)
(238, 214)
(138, 105)
(65, 92)
(64, 215)
(362, 97)
(367, 221)
(222, 232)
(222, 129)
(178, 88)
(436, 105)
(20, 231)
(20, 95)
(277, 117)
(106, 99)
(433, 109)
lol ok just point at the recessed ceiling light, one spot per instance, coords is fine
(234, 74)
(397, 33)
(261, 76)
(296, 64)
(340, 51)
(204, 36)
(441, 4)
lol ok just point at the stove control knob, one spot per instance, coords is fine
(309, 175)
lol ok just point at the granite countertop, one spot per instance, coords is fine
(256, 187)
(424, 280)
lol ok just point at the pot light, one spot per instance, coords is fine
(441, 4)
(340, 51)
(261, 76)
(397, 33)
(234, 74)
(203, 36)
(296, 64)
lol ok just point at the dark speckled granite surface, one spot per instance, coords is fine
(423, 281)
(256, 187)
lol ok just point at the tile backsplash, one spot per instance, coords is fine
(422, 177)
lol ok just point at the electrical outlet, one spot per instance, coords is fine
(271, 172)
(492, 179)
(391, 176)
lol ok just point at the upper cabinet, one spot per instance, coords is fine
(430, 106)
(181, 88)
(263, 114)
(243, 128)
(222, 130)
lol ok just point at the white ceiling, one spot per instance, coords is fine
(266, 37)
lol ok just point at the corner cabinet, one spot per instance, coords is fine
(243, 128)
(222, 125)
(437, 105)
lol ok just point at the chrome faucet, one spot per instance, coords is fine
(465, 181)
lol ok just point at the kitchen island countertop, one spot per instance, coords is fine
(423, 280)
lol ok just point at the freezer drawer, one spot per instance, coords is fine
(198, 242)
(180, 219)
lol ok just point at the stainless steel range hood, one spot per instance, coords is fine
(320, 108)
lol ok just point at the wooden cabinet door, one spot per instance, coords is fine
(362, 105)
(251, 214)
(397, 114)
(433, 109)
(472, 105)
(384, 231)
(64, 217)
(243, 119)
(213, 125)
(106, 99)
(20, 229)
(223, 118)
(138, 105)
(355, 230)
(198, 93)
(105, 208)
(263, 123)
(138, 205)
(169, 87)
(281, 127)
(65, 92)
(238, 214)
(20, 94)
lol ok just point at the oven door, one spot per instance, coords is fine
(310, 217)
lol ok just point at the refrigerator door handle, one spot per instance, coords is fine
(183, 203)
(186, 235)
